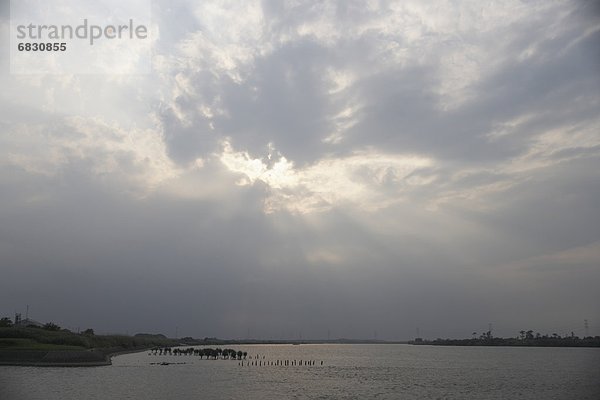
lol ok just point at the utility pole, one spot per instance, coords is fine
(586, 327)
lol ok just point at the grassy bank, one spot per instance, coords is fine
(68, 338)
(29, 344)
(41, 347)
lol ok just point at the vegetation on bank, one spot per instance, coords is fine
(50, 345)
(52, 338)
(525, 338)
(29, 344)
(209, 353)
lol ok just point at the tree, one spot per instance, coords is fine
(209, 353)
(50, 326)
(529, 334)
(6, 322)
(229, 353)
(88, 332)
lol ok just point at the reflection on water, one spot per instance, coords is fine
(348, 372)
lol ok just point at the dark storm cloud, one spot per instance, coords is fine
(187, 140)
(289, 107)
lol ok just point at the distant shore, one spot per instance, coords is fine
(52, 346)
(513, 342)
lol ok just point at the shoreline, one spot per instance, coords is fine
(103, 357)
(76, 358)
(48, 364)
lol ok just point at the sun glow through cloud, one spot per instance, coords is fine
(365, 179)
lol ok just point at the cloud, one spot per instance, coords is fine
(314, 166)
(367, 180)
(136, 157)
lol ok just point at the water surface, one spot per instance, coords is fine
(348, 372)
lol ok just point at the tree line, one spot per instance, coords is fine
(524, 338)
(52, 333)
(223, 354)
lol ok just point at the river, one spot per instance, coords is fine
(348, 372)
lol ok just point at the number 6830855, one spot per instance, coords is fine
(42, 46)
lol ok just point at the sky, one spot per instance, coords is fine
(313, 169)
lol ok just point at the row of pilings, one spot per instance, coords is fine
(279, 363)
